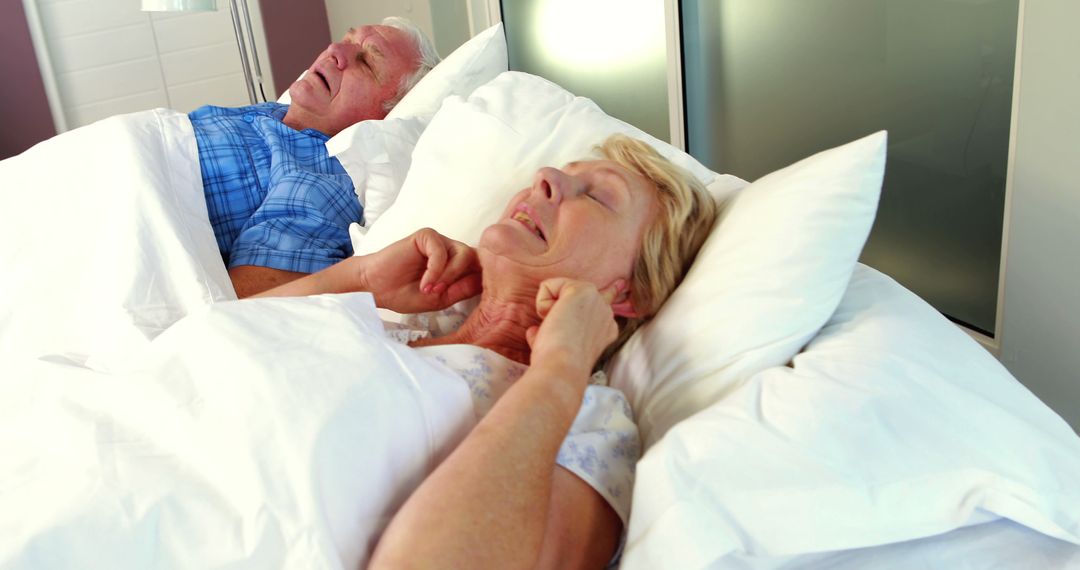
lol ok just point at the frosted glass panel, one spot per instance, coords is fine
(611, 51)
(771, 81)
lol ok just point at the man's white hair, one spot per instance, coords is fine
(429, 58)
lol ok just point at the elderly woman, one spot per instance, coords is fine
(576, 263)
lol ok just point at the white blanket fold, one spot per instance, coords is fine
(254, 434)
(104, 238)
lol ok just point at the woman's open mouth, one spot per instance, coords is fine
(527, 221)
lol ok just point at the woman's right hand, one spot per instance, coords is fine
(426, 271)
(578, 323)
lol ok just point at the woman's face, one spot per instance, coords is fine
(585, 222)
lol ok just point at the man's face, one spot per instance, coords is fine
(351, 80)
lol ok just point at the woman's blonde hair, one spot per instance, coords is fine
(685, 218)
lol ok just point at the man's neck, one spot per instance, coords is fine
(297, 120)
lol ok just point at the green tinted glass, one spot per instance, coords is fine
(771, 81)
(611, 51)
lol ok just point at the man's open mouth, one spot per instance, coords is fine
(323, 79)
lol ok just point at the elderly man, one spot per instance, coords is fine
(280, 206)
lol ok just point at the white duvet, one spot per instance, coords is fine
(254, 434)
(104, 238)
(284, 434)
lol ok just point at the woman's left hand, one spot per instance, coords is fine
(578, 323)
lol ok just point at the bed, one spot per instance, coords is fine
(797, 409)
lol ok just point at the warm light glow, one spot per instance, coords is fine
(605, 33)
(179, 5)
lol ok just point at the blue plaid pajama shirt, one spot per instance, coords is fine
(275, 197)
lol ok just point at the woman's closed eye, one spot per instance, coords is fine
(601, 197)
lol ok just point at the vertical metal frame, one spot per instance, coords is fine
(48, 75)
(241, 19)
(994, 345)
(494, 11)
(256, 68)
(676, 102)
(234, 11)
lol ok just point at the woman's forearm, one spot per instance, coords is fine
(342, 277)
(421, 273)
(486, 506)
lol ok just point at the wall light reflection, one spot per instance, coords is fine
(606, 33)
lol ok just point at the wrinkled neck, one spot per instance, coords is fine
(498, 324)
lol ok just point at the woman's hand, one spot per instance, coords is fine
(578, 323)
(426, 271)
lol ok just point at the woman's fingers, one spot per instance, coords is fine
(549, 292)
(464, 288)
(448, 261)
(577, 300)
(612, 292)
(461, 278)
(432, 246)
(577, 320)
(463, 262)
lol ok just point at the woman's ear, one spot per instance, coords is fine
(623, 304)
(625, 308)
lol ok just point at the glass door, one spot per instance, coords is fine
(768, 82)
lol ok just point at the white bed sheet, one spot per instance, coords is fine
(1002, 545)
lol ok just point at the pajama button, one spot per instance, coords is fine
(248, 118)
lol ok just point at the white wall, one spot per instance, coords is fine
(450, 23)
(108, 57)
(446, 22)
(1040, 341)
(344, 14)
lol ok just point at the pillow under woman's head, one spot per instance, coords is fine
(477, 152)
(767, 278)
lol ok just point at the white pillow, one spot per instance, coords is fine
(477, 153)
(765, 281)
(473, 64)
(377, 154)
(892, 425)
